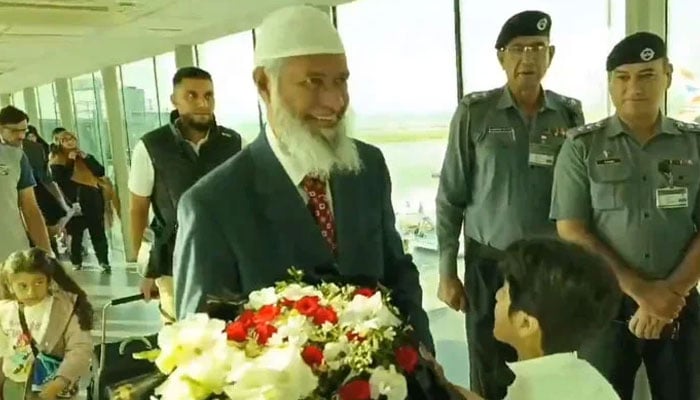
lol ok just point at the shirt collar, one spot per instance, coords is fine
(617, 127)
(542, 365)
(506, 100)
(175, 129)
(295, 172)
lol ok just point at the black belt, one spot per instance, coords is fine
(479, 250)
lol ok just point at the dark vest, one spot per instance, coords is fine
(177, 167)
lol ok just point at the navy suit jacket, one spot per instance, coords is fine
(244, 224)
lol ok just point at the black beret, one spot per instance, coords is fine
(636, 48)
(526, 23)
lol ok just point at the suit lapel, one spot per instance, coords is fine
(285, 208)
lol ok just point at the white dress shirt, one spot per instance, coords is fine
(295, 172)
(560, 376)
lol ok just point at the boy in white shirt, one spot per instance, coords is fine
(555, 296)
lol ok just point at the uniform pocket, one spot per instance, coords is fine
(609, 183)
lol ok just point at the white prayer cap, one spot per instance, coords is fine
(296, 31)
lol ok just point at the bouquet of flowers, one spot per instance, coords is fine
(293, 341)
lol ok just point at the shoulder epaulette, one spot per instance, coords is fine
(687, 126)
(570, 102)
(475, 97)
(586, 129)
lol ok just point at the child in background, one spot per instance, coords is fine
(555, 296)
(58, 318)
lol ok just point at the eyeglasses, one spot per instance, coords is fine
(519, 50)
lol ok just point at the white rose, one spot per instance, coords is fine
(279, 373)
(295, 330)
(335, 350)
(186, 339)
(295, 292)
(367, 313)
(212, 367)
(389, 383)
(262, 297)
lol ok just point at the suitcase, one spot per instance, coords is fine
(113, 366)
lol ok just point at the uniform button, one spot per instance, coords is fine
(646, 255)
(644, 178)
(646, 214)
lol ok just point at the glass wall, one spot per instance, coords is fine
(403, 91)
(140, 97)
(18, 101)
(48, 108)
(229, 60)
(90, 116)
(165, 70)
(582, 31)
(403, 88)
(683, 49)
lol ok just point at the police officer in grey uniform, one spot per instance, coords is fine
(627, 188)
(496, 178)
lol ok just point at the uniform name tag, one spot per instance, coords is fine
(675, 197)
(608, 161)
(505, 131)
(542, 155)
(4, 169)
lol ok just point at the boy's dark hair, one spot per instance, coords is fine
(570, 291)
(12, 115)
(57, 130)
(190, 73)
(37, 261)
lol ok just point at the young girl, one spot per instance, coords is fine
(59, 318)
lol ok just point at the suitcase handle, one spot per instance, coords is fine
(103, 335)
(124, 300)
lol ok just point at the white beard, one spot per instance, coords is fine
(318, 153)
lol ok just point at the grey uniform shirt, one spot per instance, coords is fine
(497, 173)
(605, 177)
(15, 176)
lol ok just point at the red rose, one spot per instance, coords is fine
(355, 390)
(236, 331)
(407, 358)
(288, 303)
(246, 318)
(307, 305)
(313, 356)
(325, 314)
(367, 292)
(264, 331)
(352, 336)
(266, 314)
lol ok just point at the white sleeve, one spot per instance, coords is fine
(141, 174)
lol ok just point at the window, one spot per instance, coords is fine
(18, 101)
(683, 30)
(90, 118)
(140, 96)
(403, 87)
(229, 60)
(403, 91)
(48, 108)
(165, 70)
(583, 32)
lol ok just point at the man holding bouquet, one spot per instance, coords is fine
(304, 193)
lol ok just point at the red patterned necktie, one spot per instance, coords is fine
(319, 205)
